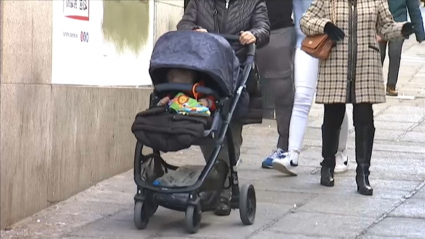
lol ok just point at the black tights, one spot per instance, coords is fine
(334, 115)
(332, 120)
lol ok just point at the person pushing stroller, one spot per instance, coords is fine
(249, 19)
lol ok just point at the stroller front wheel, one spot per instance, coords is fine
(153, 209)
(247, 204)
(141, 215)
(193, 218)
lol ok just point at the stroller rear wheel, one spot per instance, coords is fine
(193, 218)
(142, 212)
(247, 204)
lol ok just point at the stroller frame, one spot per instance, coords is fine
(243, 198)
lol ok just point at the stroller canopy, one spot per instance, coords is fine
(204, 52)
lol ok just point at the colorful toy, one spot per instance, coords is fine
(185, 105)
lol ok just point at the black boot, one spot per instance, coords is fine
(364, 146)
(330, 141)
(224, 208)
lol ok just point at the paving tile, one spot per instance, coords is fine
(322, 225)
(414, 137)
(420, 194)
(351, 205)
(413, 208)
(399, 227)
(272, 234)
(166, 223)
(410, 114)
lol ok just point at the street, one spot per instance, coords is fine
(287, 207)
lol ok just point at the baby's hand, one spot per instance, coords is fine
(164, 101)
(204, 102)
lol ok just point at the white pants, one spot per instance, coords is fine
(305, 77)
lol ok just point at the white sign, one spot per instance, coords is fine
(76, 9)
(101, 42)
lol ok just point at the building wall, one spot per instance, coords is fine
(167, 14)
(57, 140)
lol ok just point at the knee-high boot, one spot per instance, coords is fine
(364, 145)
(330, 140)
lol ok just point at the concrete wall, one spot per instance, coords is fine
(168, 14)
(57, 140)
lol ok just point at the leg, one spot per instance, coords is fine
(236, 128)
(284, 98)
(394, 51)
(342, 145)
(305, 87)
(383, 50)
(365, 133)
(282, 52)
(342, 156)
(284, 102)
(332, 120)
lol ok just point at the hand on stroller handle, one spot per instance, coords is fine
(235, 38)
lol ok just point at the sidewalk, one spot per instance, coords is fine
(287, 207)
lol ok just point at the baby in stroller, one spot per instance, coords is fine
(176, 75)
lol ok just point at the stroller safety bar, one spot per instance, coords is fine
(233, 38)
(185, 87)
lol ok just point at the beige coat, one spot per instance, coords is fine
(353, 72)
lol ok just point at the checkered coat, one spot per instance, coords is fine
(353, 71)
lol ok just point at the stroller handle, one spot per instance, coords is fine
(232, 38)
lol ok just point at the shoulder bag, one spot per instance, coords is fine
(319, 46)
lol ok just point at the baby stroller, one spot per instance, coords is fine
(163, 131)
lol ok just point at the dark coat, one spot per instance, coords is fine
(399, 9)
(239, 15)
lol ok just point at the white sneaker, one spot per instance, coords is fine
(341, 161)
(287, 164)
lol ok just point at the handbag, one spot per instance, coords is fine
(319, 46)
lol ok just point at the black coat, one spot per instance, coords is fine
(240, 15)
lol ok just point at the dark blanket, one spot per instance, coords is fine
(161, 130)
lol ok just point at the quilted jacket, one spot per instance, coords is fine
(229, 17)
(232, 17)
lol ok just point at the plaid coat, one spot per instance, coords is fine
(353, 71)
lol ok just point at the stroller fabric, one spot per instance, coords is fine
(152, 168)
(183, 176)
(161, 130)
(207, 53)
(203, 52)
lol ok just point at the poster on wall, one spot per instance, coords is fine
(102, 42)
